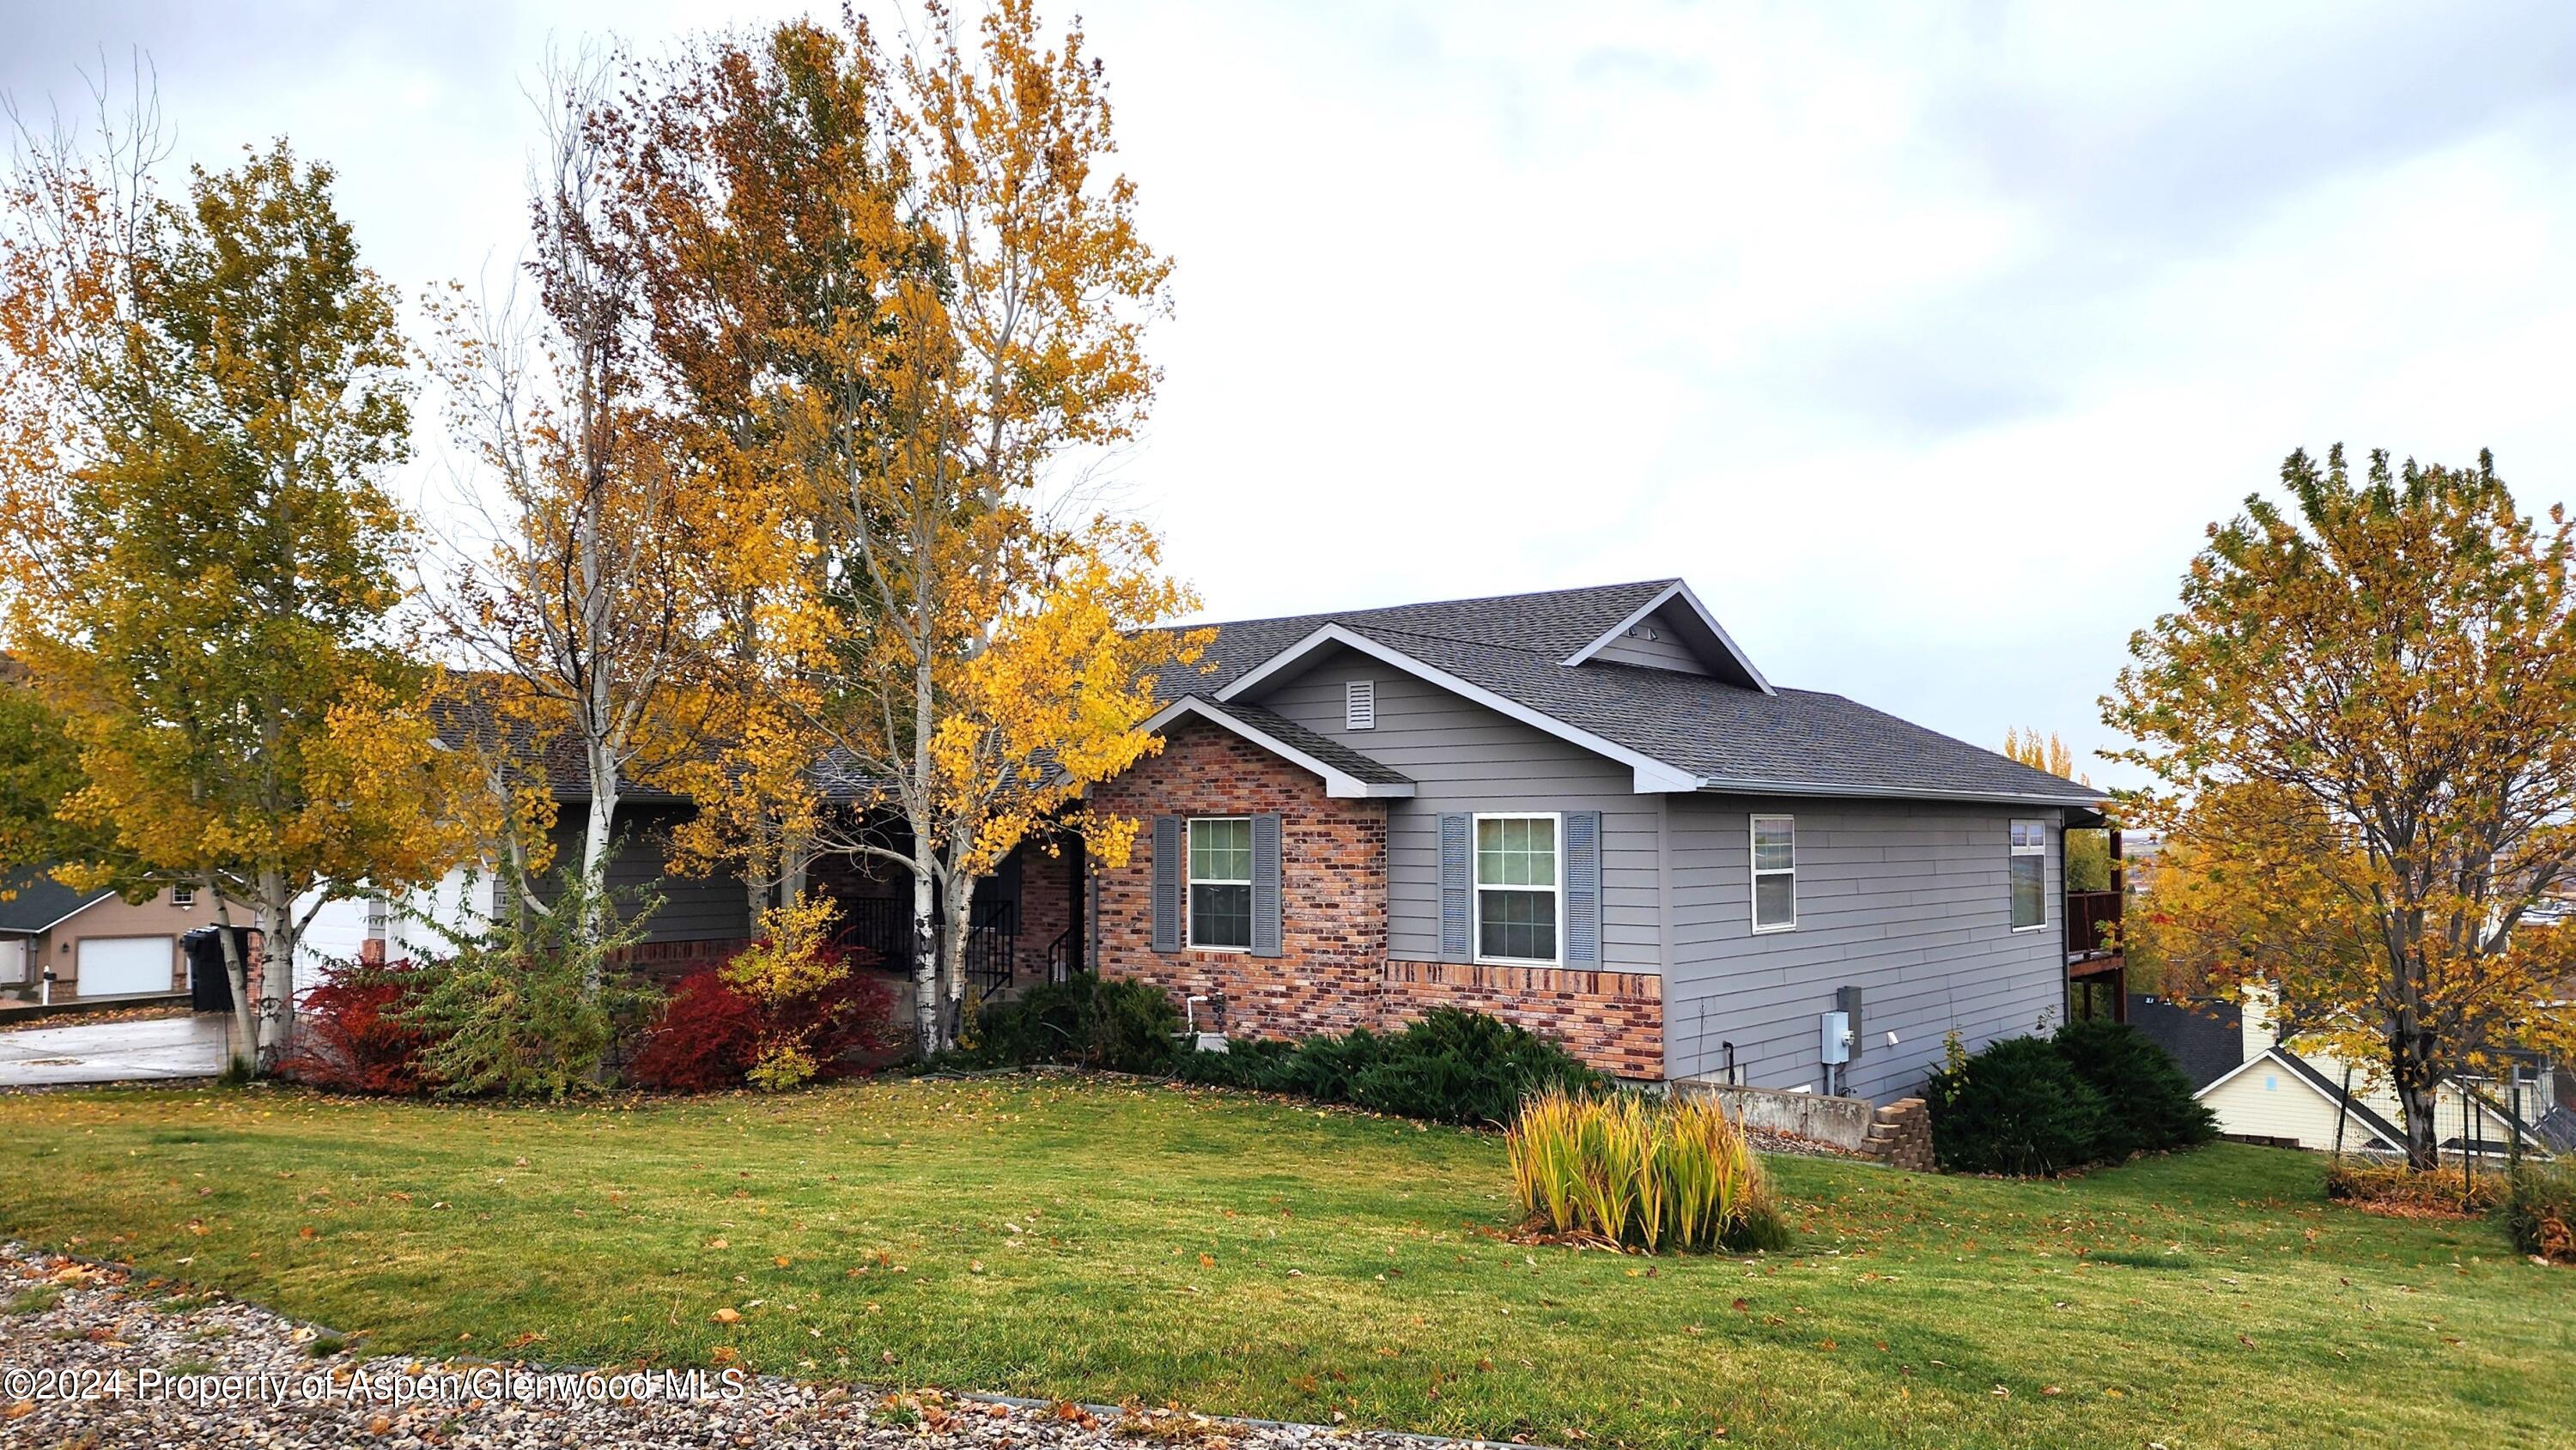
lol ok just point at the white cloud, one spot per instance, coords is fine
(1923, 340)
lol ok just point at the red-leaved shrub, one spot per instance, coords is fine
(709, 1033)
(704, 1038)
(349, 1035)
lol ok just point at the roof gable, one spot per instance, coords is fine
(1544, 659)
(1346, 772)
(1669, 629)
(2357, 1112)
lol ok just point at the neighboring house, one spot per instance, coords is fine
(2297, 1094)
(95, 943)
(1586, 811)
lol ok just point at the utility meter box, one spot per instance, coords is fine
(1836, 1046)
(1847, 1002)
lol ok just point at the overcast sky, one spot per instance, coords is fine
(1923, 341)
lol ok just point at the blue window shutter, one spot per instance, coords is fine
(1167, 883)
(1457, 881)
(1583, 888)
(1266, 940)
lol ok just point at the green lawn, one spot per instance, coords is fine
(1095, 1241)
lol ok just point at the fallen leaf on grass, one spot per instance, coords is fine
(727, 1316)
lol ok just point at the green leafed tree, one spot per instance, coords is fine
(2363, 718)
(202, 401)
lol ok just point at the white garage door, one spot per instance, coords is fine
(112, 965)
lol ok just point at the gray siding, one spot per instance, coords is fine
(1664, 652)
(1909, 902)
(693, 908)
(1464, 757)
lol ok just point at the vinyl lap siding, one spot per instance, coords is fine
(1464, 757)
(1908, 902)
(1664, 652)
(693, 908)
(2268, 1101)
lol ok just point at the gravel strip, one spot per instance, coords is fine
(67, 1325)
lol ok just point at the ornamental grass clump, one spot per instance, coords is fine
(1661, 1175)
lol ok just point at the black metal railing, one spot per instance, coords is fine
(1059, 957)
(883, 925)
(992, 944)
(879, 924)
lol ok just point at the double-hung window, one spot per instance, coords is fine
(1519, 888)
(1221, 882)
(2029, 875)
(1775, 873)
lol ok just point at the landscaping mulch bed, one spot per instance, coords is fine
(68, 1325)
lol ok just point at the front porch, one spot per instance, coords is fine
(1025, 925)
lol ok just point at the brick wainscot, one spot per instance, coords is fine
(1334, 973)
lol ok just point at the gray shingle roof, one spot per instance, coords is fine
(1322, 747)
(37, 900)
(1734, 737)
(2206, 1039)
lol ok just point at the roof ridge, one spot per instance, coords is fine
(1422, 604)
(1453, 639)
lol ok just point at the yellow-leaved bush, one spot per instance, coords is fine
(790, 960)
(1658, 1174)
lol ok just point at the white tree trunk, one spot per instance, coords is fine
(926, 1016)
(959, 910)
(245, 1043)
(596, 839)
(276, 918)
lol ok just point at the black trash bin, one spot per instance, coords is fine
(210, 986)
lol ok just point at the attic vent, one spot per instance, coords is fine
(1359, 705)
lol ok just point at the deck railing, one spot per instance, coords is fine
(2092, 922)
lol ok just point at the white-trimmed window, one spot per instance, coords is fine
(2029, 875)
(183, 896)
(1221, 882)
(1775, 873)
(1359, 704)
(1520, 895)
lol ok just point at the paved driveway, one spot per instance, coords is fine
(191, 1046)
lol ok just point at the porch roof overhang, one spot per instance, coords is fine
(1346, 773)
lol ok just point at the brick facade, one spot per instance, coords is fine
(1333, 974)
(1612, 1020)
(1047, 895)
